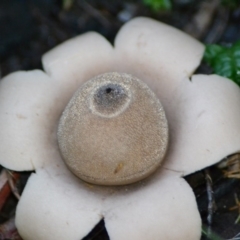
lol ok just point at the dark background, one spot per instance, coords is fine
(29, 28)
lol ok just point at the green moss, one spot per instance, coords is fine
(157, 5)
(225, 61)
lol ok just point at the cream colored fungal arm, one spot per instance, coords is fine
(156, 53)
(54, 206)
(204, 124)
(30, 106)
(162, 206)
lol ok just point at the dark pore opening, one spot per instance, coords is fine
(108, 90)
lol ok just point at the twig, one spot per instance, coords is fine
(211, 200)
(202, 19)
(94, 12)
(236, 207)
(7, 186)
(5, 190)
(12, 177)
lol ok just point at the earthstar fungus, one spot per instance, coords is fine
(203, 125)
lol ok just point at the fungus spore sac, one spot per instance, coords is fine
(113, 131)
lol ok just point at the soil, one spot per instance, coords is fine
(29, 28)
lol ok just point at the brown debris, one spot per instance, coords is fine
(202, 19)
(8, 230)
(8, 185)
